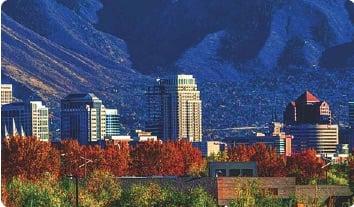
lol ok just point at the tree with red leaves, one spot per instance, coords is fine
(146, 158)
(305, 166)
(192, 158)
(241, 153)
(117, 158)
(29, 158)
(167, 158)
(71, 151)
(269, 163)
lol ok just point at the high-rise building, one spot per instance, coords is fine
(174, 109)
(113, 126)
(351, 114)
(307, 109)
(6, 94)
(83, 117)
(321, 137)
(309, 120)
(25, 119)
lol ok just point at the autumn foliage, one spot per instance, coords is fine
(167, 158)
(305, 166)
(81, 160)
(28, 158)
(269, 163)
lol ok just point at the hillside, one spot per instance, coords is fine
(249, 57)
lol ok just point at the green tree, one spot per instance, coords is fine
(250, 194)
(103, 187)
(139, 195)
(43, 192)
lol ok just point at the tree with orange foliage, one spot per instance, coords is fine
(167, 158)
(147, 159)
(71, 151)
(29, 158)
(171, 160)
(192, 158)
(241, 153)
(117, 158)
(269, 163)
(305, 166)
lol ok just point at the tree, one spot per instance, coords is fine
(250, 194)
(172, 162)
(28, 158)
(71, 152)
(192, 158)
(139, 195)
(269, 163)
(44, 191)
(241, 153)
(103, 187)
(305, 166)
(351, 173)
(168, 158)
(117, 158)
(146, 159)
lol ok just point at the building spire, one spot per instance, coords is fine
(14, 130)
(6, 132)
(23, 134)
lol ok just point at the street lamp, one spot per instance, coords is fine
(76, 177)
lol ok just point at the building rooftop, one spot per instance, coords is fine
(81, 96)
(307, 97)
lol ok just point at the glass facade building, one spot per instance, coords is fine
(113, 126)
(83, 117)
(25, 119)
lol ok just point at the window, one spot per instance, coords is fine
(234, 172)
(247, 172)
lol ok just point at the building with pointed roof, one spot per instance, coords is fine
(307, 109)
(309, 120)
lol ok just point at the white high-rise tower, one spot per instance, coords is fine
(174, 109)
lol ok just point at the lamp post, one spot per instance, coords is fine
(76, 177)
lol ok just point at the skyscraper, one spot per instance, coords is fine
(309, 120)
(6, 94)
(174, 109)
(351, 114)
(307, 109)
(25, 119)
(113, 126)
(83, 117)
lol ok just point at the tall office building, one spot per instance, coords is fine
(113, 126)
(351, 114)
(174, 109)
(309, 120)
(321, 137)
(25, 119)
(83, 117)
(6, 94)
(307, 109)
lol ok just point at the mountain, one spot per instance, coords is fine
(249, 57)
